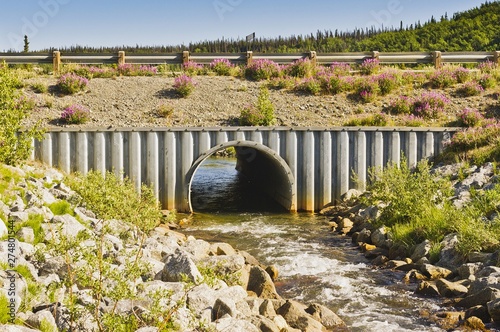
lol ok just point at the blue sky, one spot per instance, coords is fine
(62, 23)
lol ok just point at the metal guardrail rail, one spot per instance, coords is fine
(436, 58)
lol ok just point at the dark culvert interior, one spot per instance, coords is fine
(250, 181)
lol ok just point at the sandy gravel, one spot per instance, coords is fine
(216, 101)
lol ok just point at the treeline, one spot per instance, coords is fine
(474, 30)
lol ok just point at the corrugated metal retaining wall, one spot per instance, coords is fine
(321, 161)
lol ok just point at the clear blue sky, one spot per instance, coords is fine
(62, 23)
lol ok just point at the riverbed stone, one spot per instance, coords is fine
(421, 250)
(482, 297)
(364, 236)
(298, 318)
(479, 311)
(199, 249)
(449, 256)
(221, 248)
(413, 276)
(264, 324)
(488, 271)
(483, 282)
(450, 289)
(435, 272)
(474, 323)
(345, 225)
(261, 283)
(379, 237)
(427, 288)
(223, 264)
(325, 316)
(494, 310)
(469, 270)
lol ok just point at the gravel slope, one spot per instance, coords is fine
(216, 101)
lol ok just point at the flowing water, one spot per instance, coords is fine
(314, 264)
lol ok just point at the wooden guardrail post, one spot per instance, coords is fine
(121, 58)
(312, 57)
(249, 58)
(436, 57)
(375, 55)
(496, 57)
(56, 62)
(185, 57)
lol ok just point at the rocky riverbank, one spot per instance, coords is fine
(469, 286)
(65, 269)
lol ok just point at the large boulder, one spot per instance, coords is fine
(298, 318)
(178, 266)
(450, 289)
(261, 284)
(494, 310)
(450, 257)
(325, 316)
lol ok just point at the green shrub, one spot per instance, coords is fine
(311, 86)
(61, 207)
(15, 140)
(374, 120)
(184, 85)
(39, 87)
(261, 114)
(111, 198)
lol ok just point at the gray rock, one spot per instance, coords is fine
(494, 310)
(224, 307)
(489, 271)
(35, 320)
(201, 298)
(266, 309)
(54, 265)
(18, 217)
(178, 265)
(364, 236)
(469, 270)
(450, 289)
(26, 234)
(483, 282)
(64, 225)
(480, 311)
(3, 228)
(482, 297)
(478, 257)
(345, 226)
(16, 328)
(421, 250)
(379, 237)
(223, 264)
(229, 324)
(148, 329)
(197, 248)
(450, 257)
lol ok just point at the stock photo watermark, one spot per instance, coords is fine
(384, 17)
(10, 282)
(31, 26)
(223, 6)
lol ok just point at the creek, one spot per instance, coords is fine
(314, 264)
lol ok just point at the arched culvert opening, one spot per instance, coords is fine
(256, 179)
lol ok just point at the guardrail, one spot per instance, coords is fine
(436, 58)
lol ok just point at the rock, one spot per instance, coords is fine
(197, 248)
(345, 226)
(351, 194)
(364, 236)
(380, 260)
(489, 271)
(178, 265)
(223, 264)
(229, 324)
(434, 272)
(482, 297)
(296, 317)
(450, 257)
(65, 225)
(264, 324)
(261, 283)
(468, 271)
(221, 248)
(426, 288)
(325, 316)
(379, 237)
(18, 217)
(25, 234)
(479, 311)
(450, 289)
(494, 310)
(413, 276)
(482, 283)
(54, 265)
(16, 328)
(222, 308)
(200, 298)
(42, 317)
(394, 264)
(478, 257)
(148, 329)
(249, 259)
(273, 272)
(474, 324)
(266, 309)
(421, 250)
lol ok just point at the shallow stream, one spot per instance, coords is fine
(314, 264)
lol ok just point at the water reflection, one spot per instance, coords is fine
(218, 187)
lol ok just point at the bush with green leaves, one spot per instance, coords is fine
(184, 85)
(15, 140)
(372, 120)
(260, 114)
(416, 206)
(112, 198)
